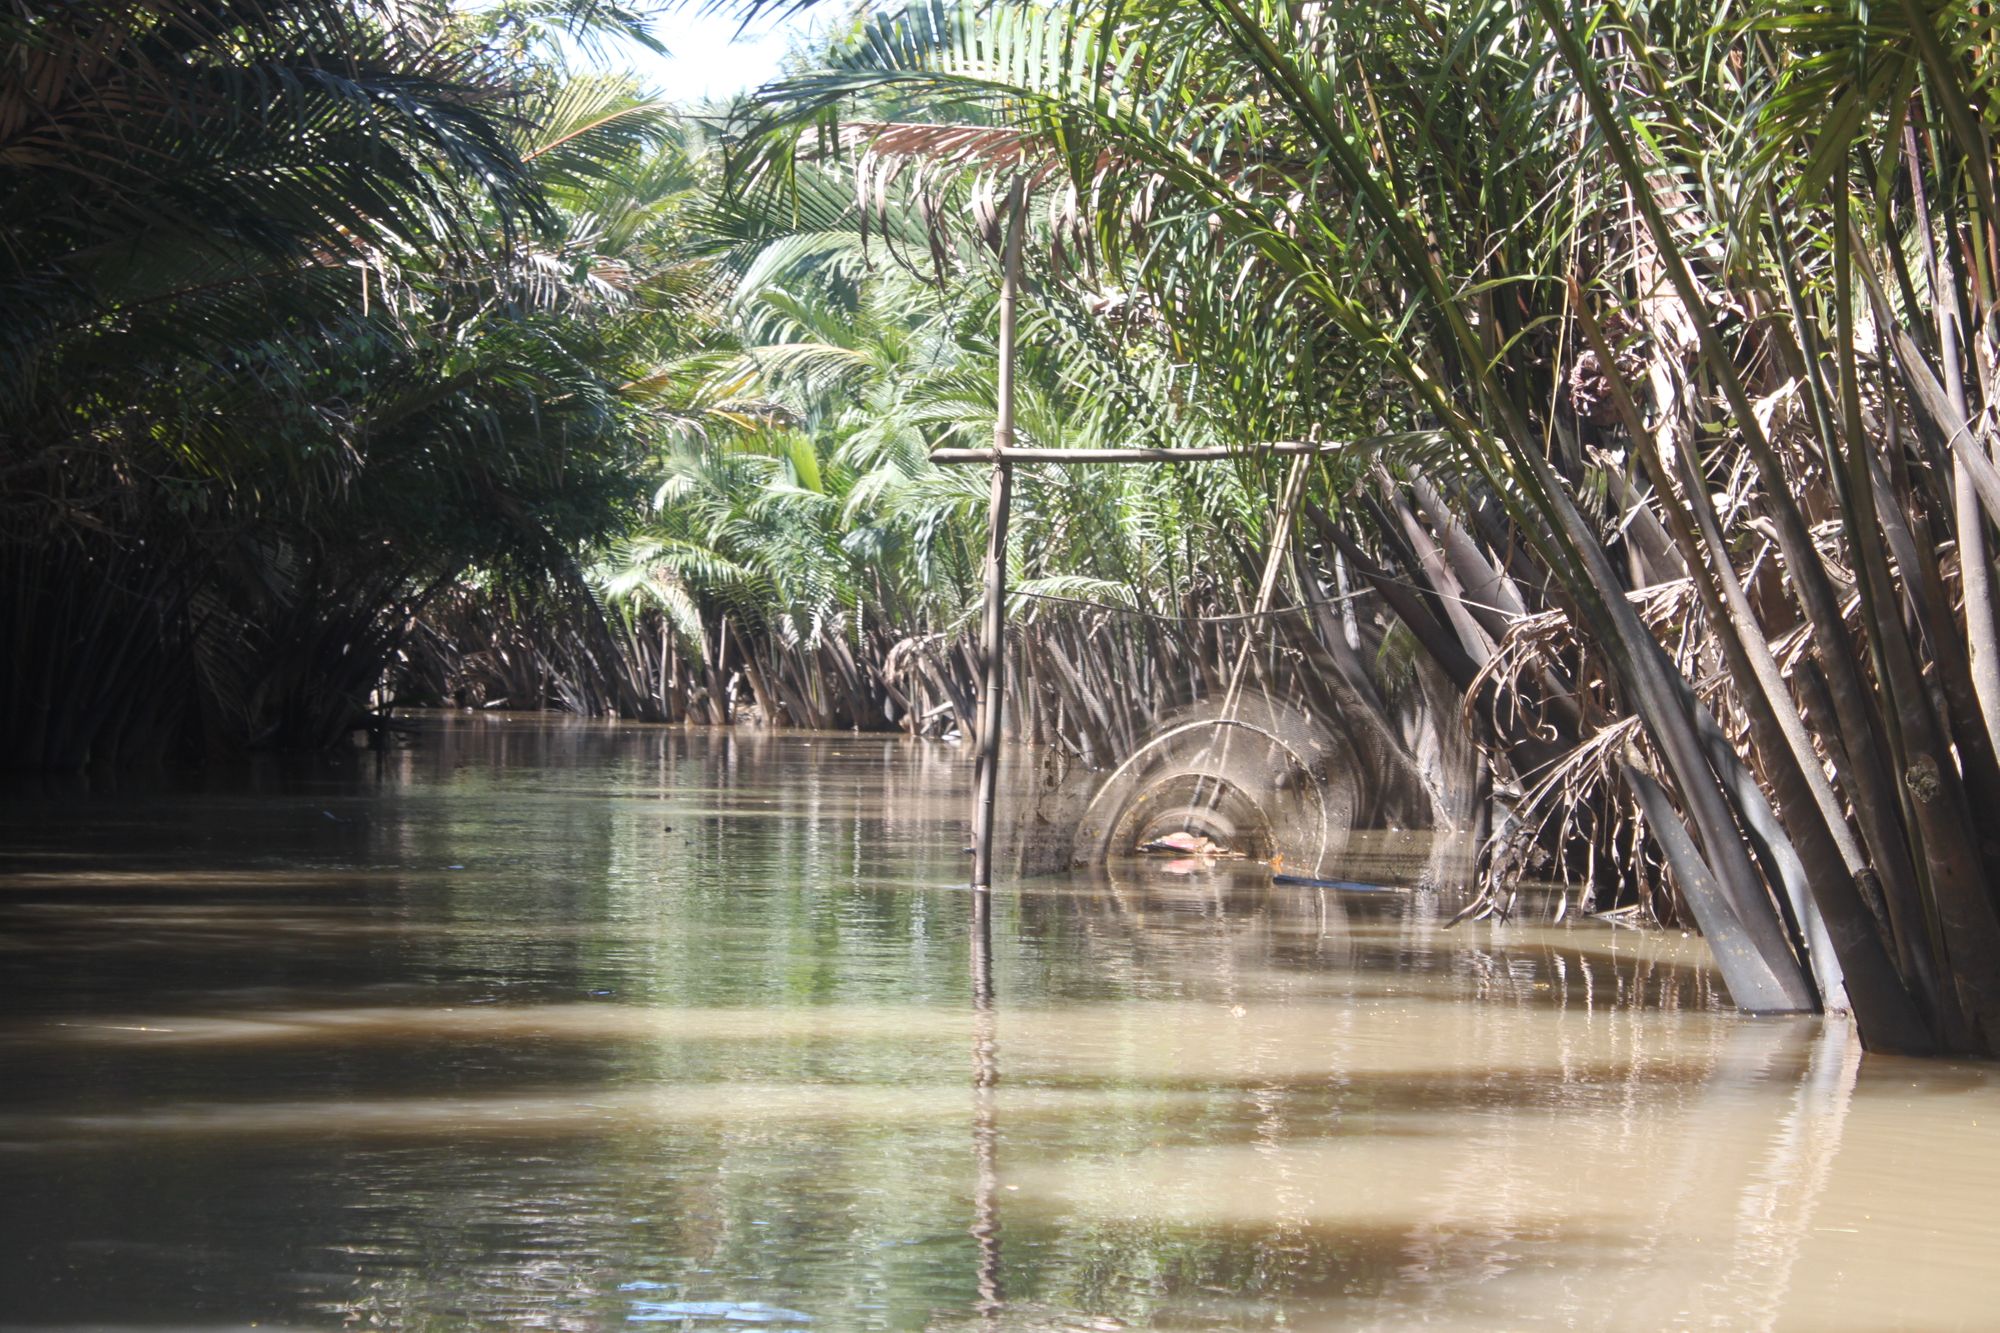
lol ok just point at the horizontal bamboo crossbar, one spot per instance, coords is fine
(1031, 455)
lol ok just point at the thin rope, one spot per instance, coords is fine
(1267, 588)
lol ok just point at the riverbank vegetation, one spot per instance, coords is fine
(1712, 292)
(312, 308)
(1657, 344)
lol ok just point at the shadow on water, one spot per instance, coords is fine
(563, 1026)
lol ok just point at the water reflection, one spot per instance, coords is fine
(684, 1040)
(985, 1120)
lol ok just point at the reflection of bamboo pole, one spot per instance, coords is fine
(985, 1122)
(993, 634)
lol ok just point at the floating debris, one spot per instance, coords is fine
(1185, 843)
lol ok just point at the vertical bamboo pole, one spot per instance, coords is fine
(993, 631)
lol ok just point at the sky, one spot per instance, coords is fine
(707, 60)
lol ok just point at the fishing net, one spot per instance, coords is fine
(1279, 760)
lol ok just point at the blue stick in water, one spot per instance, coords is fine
(1346, 885)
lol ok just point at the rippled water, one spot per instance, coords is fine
(567, 1026)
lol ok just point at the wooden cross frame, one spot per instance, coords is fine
(1003, 455)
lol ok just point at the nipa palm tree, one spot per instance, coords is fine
(1624, 294)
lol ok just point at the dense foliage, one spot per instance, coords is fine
(1658, 342)
(311, 308)
(1717, 285)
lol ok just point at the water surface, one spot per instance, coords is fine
(552, 1025)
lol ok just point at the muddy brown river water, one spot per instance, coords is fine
(550, 1025)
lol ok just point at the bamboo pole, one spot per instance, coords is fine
(1205, 453)
(993, 632)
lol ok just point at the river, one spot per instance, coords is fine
(554, 1025)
